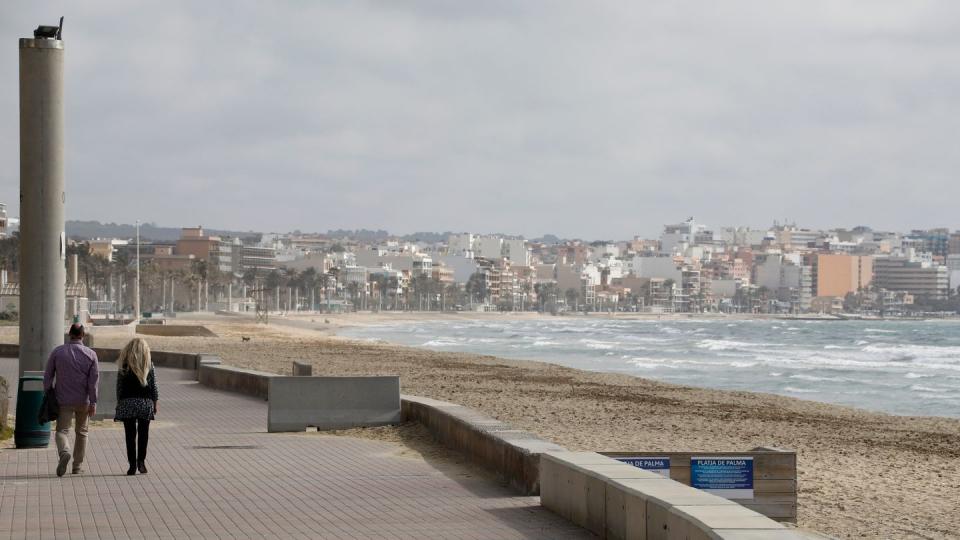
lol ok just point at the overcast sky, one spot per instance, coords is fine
(588, 119)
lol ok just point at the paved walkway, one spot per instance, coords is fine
(216, 473)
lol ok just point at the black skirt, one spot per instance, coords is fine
(134, 409)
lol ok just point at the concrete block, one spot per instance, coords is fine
(332, 402)
(688, 521)
(232, 379)
(302, 369)
(759, 534)
(106, 395)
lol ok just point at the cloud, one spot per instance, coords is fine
(599, 120)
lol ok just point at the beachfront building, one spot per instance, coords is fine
(920, 278)
(787, 280)
(953, 270)
(836, 274)
(216, 252)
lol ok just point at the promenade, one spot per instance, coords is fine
(216, 473)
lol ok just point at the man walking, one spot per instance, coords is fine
(76, 369)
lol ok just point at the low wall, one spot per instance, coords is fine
(302, 369)
(512, 454)
(174, 330)
(620, 501)
(106, 395)
(332, 402)
(242, 381)
(774, 477)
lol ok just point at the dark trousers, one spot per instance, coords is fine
(136, 447)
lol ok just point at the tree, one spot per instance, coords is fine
(477, 287)
(573, 298)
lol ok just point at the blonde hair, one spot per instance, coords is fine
(135, 357)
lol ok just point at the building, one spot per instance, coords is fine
(260, 259)
(933, 241)
(105, 247)
(788, 281)
(953, 269)
(835, 274)
(218, 253)
(919, 278)
(3, 220)
(675, 239)
(953, 245)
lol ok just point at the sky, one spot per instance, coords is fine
(582, 119)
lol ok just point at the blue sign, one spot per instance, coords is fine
(730, 477)
(659, 465)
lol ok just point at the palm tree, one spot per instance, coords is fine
(573, 298)
(272, 282)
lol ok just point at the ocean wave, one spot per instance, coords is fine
(724, 344)
(912, 375)
(743, 364)
(441, 343)
(921, 388)
(814, 378)
(597, 344)
(800, 390)
(880, 331)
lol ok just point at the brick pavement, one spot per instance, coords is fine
(216, 473)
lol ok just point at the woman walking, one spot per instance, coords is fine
(136, 400)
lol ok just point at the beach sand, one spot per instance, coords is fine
(861, 474)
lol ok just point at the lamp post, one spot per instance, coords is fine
(136, 297)
(42, 238)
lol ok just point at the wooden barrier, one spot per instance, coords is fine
(774, 477)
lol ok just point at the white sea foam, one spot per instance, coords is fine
(799, 390)
(921, 388)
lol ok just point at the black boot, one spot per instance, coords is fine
(141, 467)
(132, 470)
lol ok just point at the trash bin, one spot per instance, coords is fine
(28, 433)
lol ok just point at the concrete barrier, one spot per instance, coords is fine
(174, 330)
(296, 403)
(512, 454)
(242, 381)
(106, 395)
(616, 500)
(302, 369)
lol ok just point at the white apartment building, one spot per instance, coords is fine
(517, 251)
(655, 267)
(460, 244)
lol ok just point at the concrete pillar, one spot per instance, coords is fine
(229, 296)
(74, 269)
(42, 197)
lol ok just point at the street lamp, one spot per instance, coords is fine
(136, 298)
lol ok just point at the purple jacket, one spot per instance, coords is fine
(77, 371)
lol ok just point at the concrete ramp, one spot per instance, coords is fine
(296, 403)
(174, 330)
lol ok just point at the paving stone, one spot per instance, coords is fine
(216, 473)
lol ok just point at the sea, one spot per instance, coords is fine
(899, 367)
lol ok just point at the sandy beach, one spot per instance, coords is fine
(861, 474)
